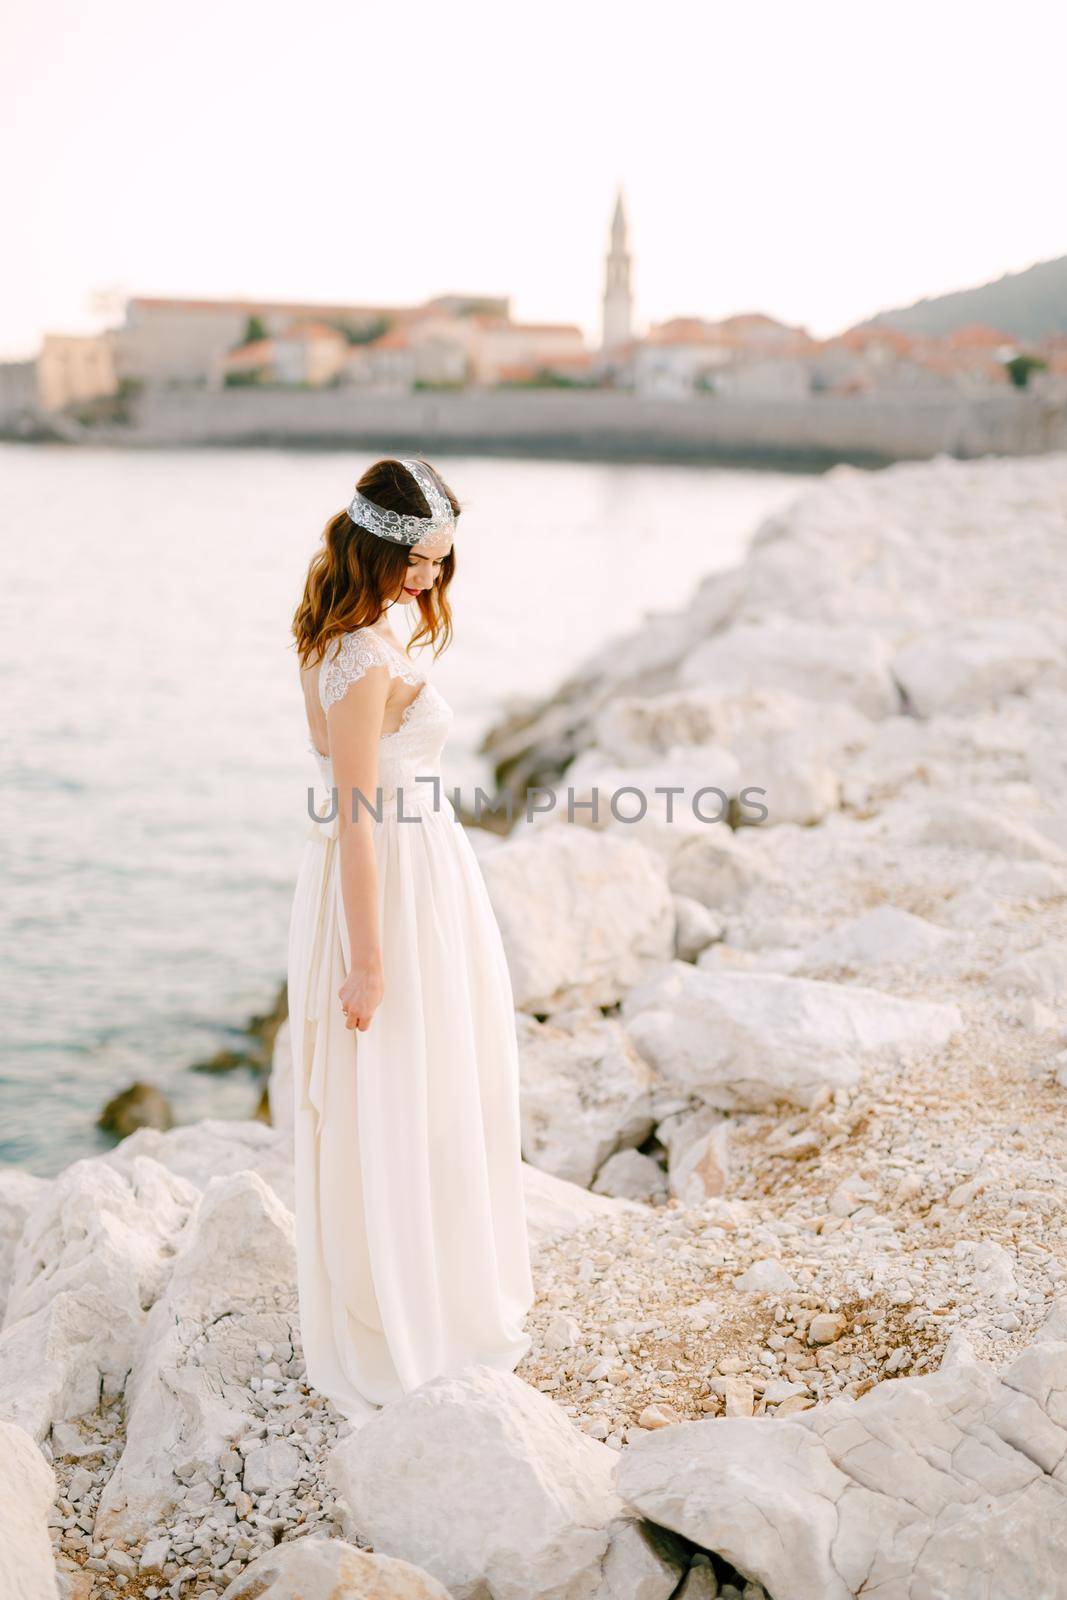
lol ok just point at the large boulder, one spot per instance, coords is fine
(499, 1494)
(744, 1041)
(232, 1290)
(95, 1250)
(94, 1225)
(946, 1485)
(583, 914)
(585, 1093)
(27, 1492)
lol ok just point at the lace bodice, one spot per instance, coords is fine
(412, 749)
(354, 654)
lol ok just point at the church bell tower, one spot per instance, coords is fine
(618, 298)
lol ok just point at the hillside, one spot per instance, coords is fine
(1029, 304)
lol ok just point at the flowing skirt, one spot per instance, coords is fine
(412, 1245)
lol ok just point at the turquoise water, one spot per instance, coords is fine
(153, 777)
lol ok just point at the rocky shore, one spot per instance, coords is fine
(793, 1093)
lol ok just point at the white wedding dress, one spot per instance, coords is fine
(412, 1247)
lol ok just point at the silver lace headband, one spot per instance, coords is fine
(435, 531)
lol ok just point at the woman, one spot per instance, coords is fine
(412, 1247)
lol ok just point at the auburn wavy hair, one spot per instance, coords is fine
(354, 574)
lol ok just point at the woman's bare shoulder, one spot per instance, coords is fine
(358, 652)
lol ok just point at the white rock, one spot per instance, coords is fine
(964, 664)
(96, 1227)
(632, 1175)
(68, 1444)
(695, 927)
(273, 1468)
(642, 1563)
(779, 741)
(214, 1148)
(850, 1194)
(96, 1248)
(727, 958)
(19, 1193)
(1041, 972)
(886, 936)
(154, 1553)
(973, 908)
(27, 1491)
(779, 1389)
(959, 1351)
(785, 783)
(717, 868)
(562, 1332)
(991, 1264)
(330, 1569)
(739, 1396)
(764, 1277)
(632, 799)
(632, 729)
(585, 1092)
(964, 1193)
(967, 825)
(816, 661)
(584, 915)
(699, 1154)
(1037, 1016)
(700, 1581)
(746, 1040)
(191, 1379)
(554, 1206)
(1025, 880)
(825, 1328)
(462, 1443)
(853, 1493)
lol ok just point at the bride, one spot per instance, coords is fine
(412, 1248)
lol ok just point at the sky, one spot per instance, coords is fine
(817, 162)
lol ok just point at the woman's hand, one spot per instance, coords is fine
(361, 994)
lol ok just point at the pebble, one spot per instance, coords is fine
(825, 1328)
(659, 1416)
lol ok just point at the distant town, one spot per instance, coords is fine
(472, 342)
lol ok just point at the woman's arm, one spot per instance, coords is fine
(354, 724)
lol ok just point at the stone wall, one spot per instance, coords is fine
(814, 430)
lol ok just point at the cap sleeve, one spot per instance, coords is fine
(355, 655)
